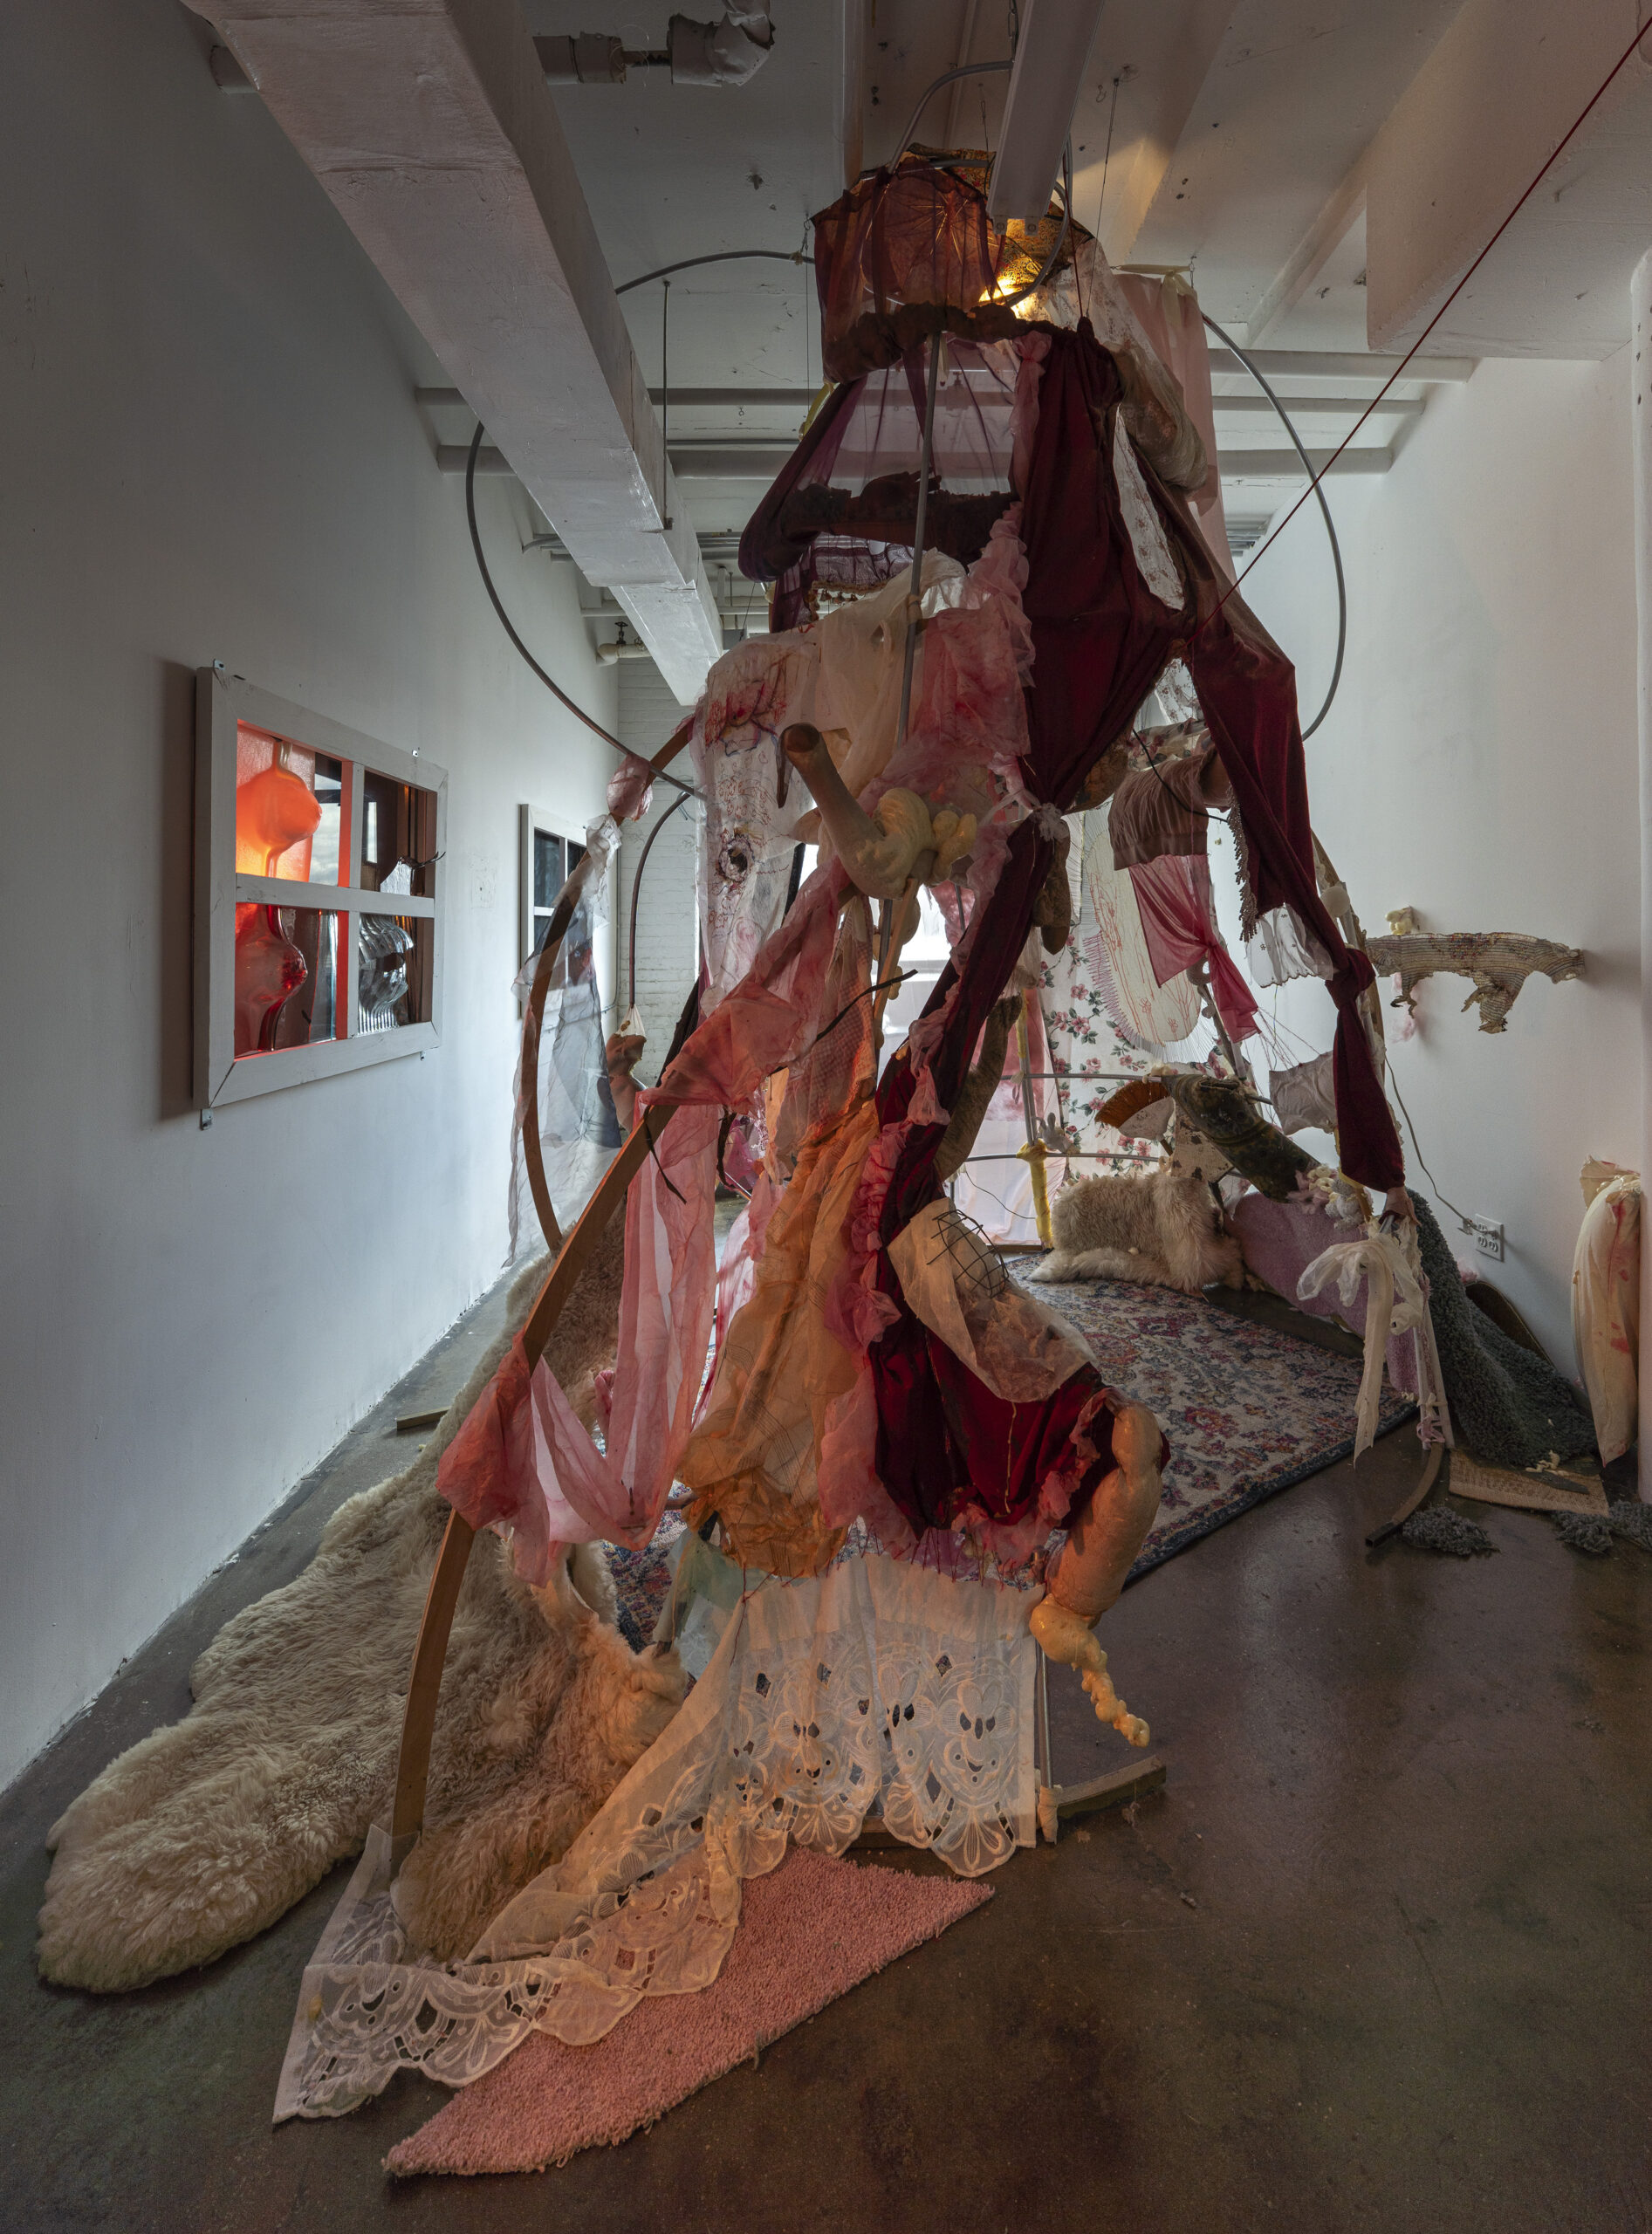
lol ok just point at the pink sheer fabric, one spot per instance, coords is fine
(738, 1274)
(1178, 920)
(522, 1462)
(969, 732)
(772, 1016)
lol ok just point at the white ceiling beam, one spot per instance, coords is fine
(1343, 364)
(1056, 37)
(430, 127)
(1324, 238)
(1488, 108)
(1160, 52)
(1285, 465)
(1345, 407)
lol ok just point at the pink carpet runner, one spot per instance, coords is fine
(808, 1932)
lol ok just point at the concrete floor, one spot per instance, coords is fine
(1376, 1957)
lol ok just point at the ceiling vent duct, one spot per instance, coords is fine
(724, 53)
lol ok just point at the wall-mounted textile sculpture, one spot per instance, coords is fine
(1498, 962)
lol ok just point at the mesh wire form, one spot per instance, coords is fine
(902, 256)
(841, 513)
(910, 252)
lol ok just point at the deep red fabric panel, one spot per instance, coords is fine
(1101, 641)
(1178, 921)
(1099, 644)
(971, 1446)
(764, 553)
(1247, 690)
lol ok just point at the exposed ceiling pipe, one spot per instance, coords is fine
(431, 128)
(1050, 56)
(725, 53)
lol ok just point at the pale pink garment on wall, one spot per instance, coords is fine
(1115, 946)
(1606, 1305)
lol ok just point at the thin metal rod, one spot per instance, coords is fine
(963, 70)
(1071, 1155)
(722, 256)
(1325, 511)
(915, 594)
(665, 377)
(1047, 1767)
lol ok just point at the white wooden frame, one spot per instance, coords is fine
(222, 702)
(530, 819)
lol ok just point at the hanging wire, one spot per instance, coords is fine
(665, 379)
(963, 70)
(1106, 157)
(663, 775)
(1463, 1217)
(1399, 370)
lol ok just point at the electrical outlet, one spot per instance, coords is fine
(1488, 1238)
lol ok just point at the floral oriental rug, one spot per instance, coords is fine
(1248, 1411)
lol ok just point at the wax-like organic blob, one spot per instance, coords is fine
(1067, 1637)
(272, 812)
(1107, 1533)
(268, 969)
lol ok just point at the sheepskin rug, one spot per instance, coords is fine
(1157, 1227)
(205, 1833)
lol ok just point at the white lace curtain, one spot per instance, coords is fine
(876, 1684)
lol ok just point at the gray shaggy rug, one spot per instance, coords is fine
(205, 1833)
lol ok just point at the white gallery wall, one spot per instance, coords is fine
(1480, 765)
(215, 453)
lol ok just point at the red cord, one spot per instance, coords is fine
(1399, 370)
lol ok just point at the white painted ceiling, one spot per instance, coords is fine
(1230, 139)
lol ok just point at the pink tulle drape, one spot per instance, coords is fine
(523, 1460)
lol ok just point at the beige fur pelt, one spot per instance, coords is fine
(205, 1833)
(1151, 1226)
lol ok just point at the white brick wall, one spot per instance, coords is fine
(667, 921)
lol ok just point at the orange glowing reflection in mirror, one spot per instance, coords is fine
(290, 808)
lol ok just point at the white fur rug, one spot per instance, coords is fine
(205, 1833)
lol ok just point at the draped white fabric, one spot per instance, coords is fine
(877, 1684)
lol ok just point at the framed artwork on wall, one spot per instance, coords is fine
(318, 891)
(549, 850)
